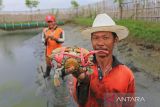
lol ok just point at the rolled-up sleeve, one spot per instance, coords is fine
(62, 37)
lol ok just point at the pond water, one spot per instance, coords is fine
(18, 70)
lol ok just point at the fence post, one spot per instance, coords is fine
(135, 9)
(90, 10)
(104, 6)
(3, 19)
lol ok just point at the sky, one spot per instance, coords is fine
(19, 5)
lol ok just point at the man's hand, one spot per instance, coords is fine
(52, 38)
(78, 74)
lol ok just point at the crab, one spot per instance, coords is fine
(72, 56)
(79, 59)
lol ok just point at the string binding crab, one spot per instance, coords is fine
(79, 59)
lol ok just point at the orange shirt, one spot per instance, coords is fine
(119, 80)
(52, 44)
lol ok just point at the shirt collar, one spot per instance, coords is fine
(114, 63)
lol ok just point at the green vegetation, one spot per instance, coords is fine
(31, 3)
(83, 21)
(74, 4)
(148, 31)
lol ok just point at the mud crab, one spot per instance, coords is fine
(79, 58)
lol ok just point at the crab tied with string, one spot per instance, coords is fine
(79, 59)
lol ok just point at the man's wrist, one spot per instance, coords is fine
(76, 74)
(83, 78)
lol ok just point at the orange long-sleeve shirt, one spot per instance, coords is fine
(104, 93)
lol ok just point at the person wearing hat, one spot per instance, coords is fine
(110, 79)
(52, 37)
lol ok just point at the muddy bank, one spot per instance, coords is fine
(140, 58)
(144, 62)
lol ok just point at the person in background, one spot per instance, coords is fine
(52, 37)
(110, 78)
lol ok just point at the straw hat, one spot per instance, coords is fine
(103, 22)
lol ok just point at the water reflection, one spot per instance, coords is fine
(17, 68)
(12, 49)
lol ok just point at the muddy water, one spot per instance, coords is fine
(18, 70)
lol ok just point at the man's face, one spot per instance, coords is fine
(103, 40)
(51, 24)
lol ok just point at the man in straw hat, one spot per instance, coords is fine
(111, 80)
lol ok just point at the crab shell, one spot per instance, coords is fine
(84, 51)
(69, 50)
(56, 51)
(71, 62)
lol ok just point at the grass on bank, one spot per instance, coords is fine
(148, 31)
